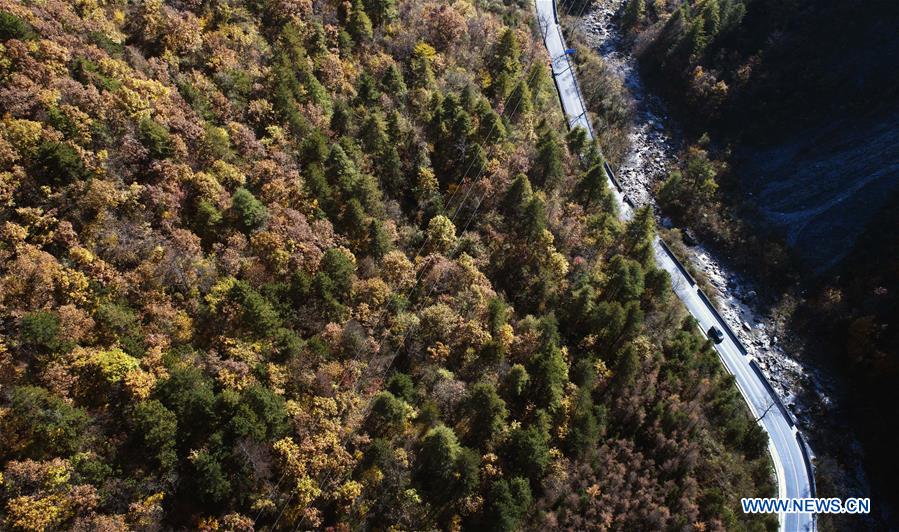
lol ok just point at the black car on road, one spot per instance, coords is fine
(716, 335)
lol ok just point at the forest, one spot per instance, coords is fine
(309, 264)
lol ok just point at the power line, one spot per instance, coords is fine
(418, 279)
(420, 276)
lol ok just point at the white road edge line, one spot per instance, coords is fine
(798, 484)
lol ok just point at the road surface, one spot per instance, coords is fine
(788, 451)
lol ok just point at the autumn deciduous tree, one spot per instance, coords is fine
(445, 25)
(441, 234)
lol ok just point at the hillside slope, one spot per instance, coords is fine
(281, 264)
(804, 94)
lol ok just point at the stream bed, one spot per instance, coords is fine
(654, 144)
(811, 394)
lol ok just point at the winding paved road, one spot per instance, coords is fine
(786, 445)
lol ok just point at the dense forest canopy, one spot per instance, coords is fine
(279, 264)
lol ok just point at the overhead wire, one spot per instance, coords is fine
(423, 270)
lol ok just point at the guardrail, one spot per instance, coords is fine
(805, 449)
(783, 408)
(612, 177)
(676, 262)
